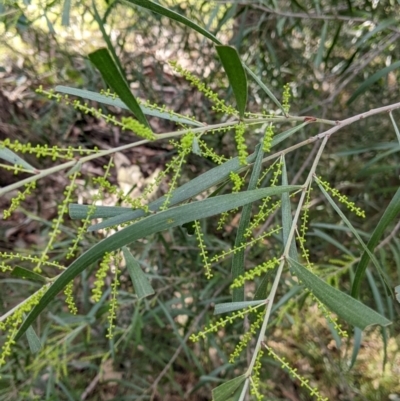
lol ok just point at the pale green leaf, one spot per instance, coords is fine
(234, 306)
(9, 156)
(345, 306)
(33, 340)
(80, 212)
(65, 13)
(287, 219)
(109, 100)
(227, 390)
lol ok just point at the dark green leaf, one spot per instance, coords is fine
(109, 71)
(106, 38)
(236, 75)
(388, 216)
(140, 282)
(21, 272)
(174, 16)
(345, 306)
(262, 289)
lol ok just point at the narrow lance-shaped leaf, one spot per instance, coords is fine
(236, 75)
(390, 215)
(234, 306)
(345, 306)
(65, 13)
(21, 272)
(356, 346)
(33, 340)
(287, 220)
(109, 71)
(227, 390)
(140, 282)
(13, 158)
(152, 224)
(262, 289)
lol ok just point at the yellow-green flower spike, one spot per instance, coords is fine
(286, 98)
(341, 198)
(203, 250)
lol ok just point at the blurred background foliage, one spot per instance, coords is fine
(339, 58)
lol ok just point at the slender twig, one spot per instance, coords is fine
(68, 165)
(337, 126)
(271, 296)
